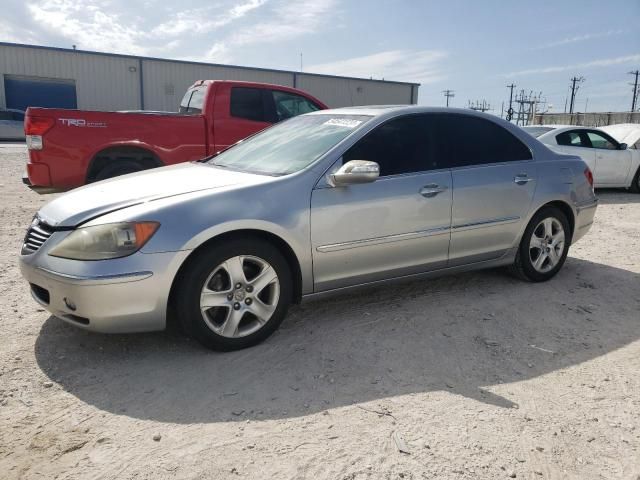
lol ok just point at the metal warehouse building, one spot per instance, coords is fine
(65, 78)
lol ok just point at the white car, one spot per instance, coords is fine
(11, 124)
(628, 133)
(612, 163)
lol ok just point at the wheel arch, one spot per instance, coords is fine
(273, 239)
(140, 154)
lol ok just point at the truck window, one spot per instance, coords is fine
(291, 105)
(192, 101)
(247, 103)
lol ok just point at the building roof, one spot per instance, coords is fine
(138, 57)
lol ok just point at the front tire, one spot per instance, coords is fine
(544, 246)
(234, 294)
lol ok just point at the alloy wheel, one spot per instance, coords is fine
(240, 296)
(546, 245)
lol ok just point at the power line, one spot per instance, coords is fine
(574, 91)
(448, 94)
(635, 90)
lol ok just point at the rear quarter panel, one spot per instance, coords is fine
(77, 136)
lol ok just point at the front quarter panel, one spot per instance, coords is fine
(279, 206)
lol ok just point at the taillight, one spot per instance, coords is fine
(38, 125)
(589, 175)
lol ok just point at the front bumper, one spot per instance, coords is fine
(108, 302)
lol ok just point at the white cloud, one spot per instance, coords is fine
(580, 38)
(421, 66)
(288, 20)
(204, 20)
(88, 24)
(606, 62)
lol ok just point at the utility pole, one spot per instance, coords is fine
(479, 106)
(635, 90)
(574, 91)
(510, 110)
(448, 94)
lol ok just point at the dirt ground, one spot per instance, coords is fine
(475, 376)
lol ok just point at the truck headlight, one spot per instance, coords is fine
(102, 242)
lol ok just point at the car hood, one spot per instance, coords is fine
(85, 203)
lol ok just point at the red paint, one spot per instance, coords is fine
(73, 138)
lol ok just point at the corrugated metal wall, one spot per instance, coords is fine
(346, 92)
(166, 82)
(102, 82)
(107, 82)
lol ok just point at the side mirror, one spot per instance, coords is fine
(623, 146)
(356, 171)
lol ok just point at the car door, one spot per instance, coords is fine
(395, 226)
(240, 113)
(612, 164)
(576, 142)
(494, 179)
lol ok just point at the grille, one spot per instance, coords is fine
(37, 234)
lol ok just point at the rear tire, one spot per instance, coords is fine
(117, 168)
(635, 185)
(234, 294)
(544, 246)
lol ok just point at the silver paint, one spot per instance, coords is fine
(342, 237)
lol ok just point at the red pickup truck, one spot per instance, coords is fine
(69, 148)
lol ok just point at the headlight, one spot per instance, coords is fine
(113, 240)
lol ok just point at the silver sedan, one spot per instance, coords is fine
(322, 203)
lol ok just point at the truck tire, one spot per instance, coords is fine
(117, 168)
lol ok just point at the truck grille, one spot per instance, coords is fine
(38, 233)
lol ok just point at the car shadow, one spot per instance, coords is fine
(610, 196)
(462, 334)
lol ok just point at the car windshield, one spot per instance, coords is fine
(537, 131)
(289, 146)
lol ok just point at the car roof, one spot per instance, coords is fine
(392, 110)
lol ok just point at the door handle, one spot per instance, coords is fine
(432, 189)
(522, 179)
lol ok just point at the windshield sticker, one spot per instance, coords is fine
(343, 122)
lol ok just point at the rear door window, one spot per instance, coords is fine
(573, 138)
(248, 103)
(289, 105)
(469, 140)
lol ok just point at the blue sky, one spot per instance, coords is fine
(475, 48)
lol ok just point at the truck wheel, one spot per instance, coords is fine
(118, 168)
(234, 294)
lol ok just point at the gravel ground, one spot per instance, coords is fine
(475, 376)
